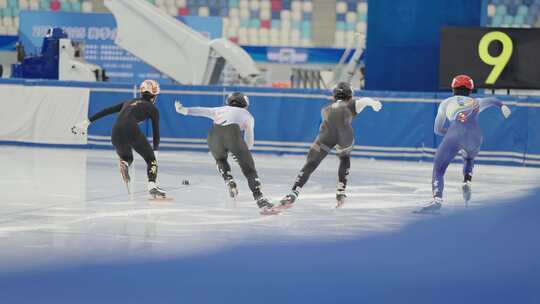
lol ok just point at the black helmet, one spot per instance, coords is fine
(238, 99)
(342, 91)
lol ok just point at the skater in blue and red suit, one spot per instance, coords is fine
(463, 133)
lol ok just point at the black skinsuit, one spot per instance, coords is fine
(126, 134)
(335, 131)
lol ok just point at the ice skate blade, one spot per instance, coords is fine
(270, 211)
(160, 199)
(430, 212)
(284, 206)
(339, 204)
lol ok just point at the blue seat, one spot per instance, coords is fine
(233, 3)
(340, 17)
(255, 23)
(276, 15)
(255, 14)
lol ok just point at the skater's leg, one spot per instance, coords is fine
(247, 165)
(470, 151)
(124, 152)
(447, 150)
(468, 165)
(216, 143)
(315, 156)
(141, 145)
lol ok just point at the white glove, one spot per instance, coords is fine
(506, 111)
(376, 105)
(363, 102)
(180, 109)
(234, 157)
(80, 127)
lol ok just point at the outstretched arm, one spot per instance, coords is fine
(494, 102)
(438, 127)
(105, 112)
(81, 127)
(363, 102)
(195, 111)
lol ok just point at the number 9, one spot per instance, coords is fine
(499, 62)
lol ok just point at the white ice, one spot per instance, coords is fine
(64, 206)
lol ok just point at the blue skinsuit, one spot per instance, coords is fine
(463, 133)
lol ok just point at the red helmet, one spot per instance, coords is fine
(462, 81)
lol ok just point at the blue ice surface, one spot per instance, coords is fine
(482, 255)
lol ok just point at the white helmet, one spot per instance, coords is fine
(150, 86)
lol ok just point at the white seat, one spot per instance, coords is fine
(24, 4)
(13, 31)
(242, 36)
(204, 11)
(160, 2)
(296, 15)
(87, 7)
(274, 34)
(265, 4)
(284, 38)
(254, 5)
(234, 22)
(266, 14)
(16, 22)
(296, 6)
(285, 15)
(491, 10)
(285, 25)
(351, 17)
(172, 10)
(307, 6)
(264, 37)
(339, 39)
(7, 21)
(232, 32)
(274, 41)
(170, 2)
(234, 12)
(181, 3)
(3, 4)
(243, 4)
(341, 7)
(305, 42)
(253, 35)
(361, 27)
(34, 5)
(244, 13)
(362, 7)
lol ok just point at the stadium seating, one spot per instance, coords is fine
(513, 13)
(351, 18)
(253, 22)
(9, 10)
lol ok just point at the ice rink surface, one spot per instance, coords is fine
(66, 206)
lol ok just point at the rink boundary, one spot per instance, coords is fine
(276, 147)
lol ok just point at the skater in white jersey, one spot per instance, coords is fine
(225, 137)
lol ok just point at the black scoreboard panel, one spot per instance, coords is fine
(494, 57)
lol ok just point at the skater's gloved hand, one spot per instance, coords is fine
(156, 153)
(180, 109)
(376, 105)
(506, 111)
(80, 127)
